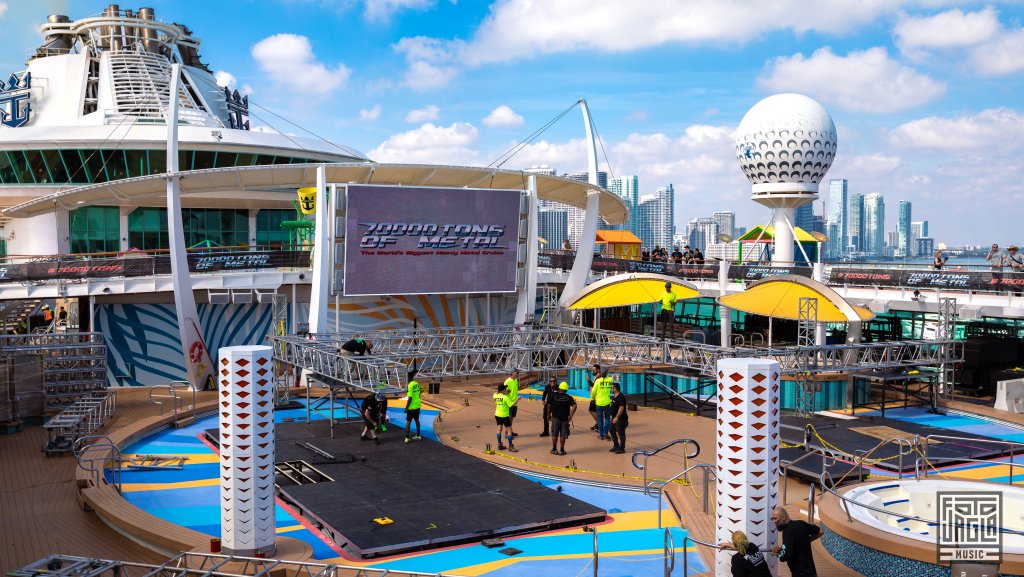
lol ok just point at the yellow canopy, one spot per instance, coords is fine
(769, 234)
(630, 289)
(779, 297)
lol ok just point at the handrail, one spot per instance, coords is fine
(709, 473)
(902, 442)
(648, 454)
(826, 456)
(686, 564)
(703, 339)
(173, 389)
(82, 445)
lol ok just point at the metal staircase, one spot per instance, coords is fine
(15, 312)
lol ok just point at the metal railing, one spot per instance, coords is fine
(645, 455)
(828, 458)
(968, 440)
(686, 563)
(708, 471)
(174, 391)
(106, 451)
(921, 465)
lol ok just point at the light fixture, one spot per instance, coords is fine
(217, 134)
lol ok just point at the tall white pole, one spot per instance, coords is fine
(783, 237)
(581, 265)
(321, 253)
(724, 312)
(198, 365)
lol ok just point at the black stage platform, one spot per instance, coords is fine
(808, 466)
(843, 434)
(436, 496)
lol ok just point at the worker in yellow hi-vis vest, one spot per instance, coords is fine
(668, 310)
(412, 410)
(502, 406)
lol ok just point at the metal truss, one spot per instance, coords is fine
(806, 331)
(944, 332)
(492, 350)
(200, 565)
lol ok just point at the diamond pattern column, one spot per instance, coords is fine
(748, 454)
(246, 397)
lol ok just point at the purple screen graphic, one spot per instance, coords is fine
(418, 240)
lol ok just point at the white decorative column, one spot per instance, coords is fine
(527, 304)
(748, 454)
(247, 523)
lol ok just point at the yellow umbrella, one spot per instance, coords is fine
(630, 289)
(779, 297)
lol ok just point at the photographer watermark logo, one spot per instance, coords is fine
(969, 526)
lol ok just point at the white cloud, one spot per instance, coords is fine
(426, 114)
(865, 81)
(993, 128)
(431, 144)
(369, 114)
(383, 10)
(1004, 55)
(225, 79)
(950, 29)
(289, 58)
(3, 8)
(502, 116)
(876, 162)
(518, 29)
(638, 116)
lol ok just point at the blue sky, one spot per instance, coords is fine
(926, 94)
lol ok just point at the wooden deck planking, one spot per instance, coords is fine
(39, 510)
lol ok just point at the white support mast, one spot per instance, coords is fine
(198, 365)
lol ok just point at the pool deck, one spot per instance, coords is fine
(41, 510)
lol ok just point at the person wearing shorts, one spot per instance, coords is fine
(412, 411)
(562, 407)
(592, 409)
(501, 418)
(512, 391)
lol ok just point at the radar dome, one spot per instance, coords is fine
(785, 144)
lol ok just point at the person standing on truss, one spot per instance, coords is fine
(412, 410)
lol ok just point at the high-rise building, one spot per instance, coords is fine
(804, 217)
(702, 232)
(553, 226)
(628, 188)
(818, 224)
(654, 218)
(918, 230)
(837, 191)
(925, 246)
(855, 223)
(903, 232)
(726, 220)
(874, 224)
(576, 215)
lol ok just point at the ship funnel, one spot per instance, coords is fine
(56, 39)
(149, 43)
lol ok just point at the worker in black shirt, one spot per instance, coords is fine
(796, 543)
(356, 346)
(371, 416)
(748, 560)
(562, 406)
(550, 387)
(620, 420)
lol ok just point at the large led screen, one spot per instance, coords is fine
(417, 240)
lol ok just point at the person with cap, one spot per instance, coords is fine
(372, 416)
(1014, 258)
(356, 346)
(502, 407)
(47, 313)
(562, 406)
(512, 390)
(412, 409)
(549, 388)
(668, 309)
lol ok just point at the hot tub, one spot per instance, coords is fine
(912, 508)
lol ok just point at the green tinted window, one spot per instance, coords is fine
(7, 174)
(216, 227)
(21, 167)
(95, 229)
(268, 227)
(56, 165)
(37, 166)
(147, 228)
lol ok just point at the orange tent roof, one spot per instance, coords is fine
(617, 236)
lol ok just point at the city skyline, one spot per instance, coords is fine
(921, 113)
